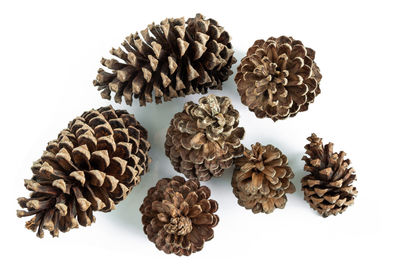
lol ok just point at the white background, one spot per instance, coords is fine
(50, 52)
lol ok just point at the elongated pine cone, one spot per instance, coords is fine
(278, 78)
(91, 166)
(204, 138)
(178, 215)
(328, 188)
(170, 59)
(262, 178)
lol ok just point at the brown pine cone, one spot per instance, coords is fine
(262, 178)
(178, 215)
(328, 188)
(278, 78)
(91, 166)
(174, 58)
(204, 138)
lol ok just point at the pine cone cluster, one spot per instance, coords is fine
(178, 215)
(262, 178)
(328, 188)
(204, 138)
(171, 59)
(278, 78)
(91, 166)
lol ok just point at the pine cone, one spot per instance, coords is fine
(91, 166)
(278, 78)
(262, 178)
(168, 60)
(178, 216)
(204, 139)
(328, 188)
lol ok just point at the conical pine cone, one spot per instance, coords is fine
(204, 138)
(278, 78)
(91, 166)
(262, 178)
(174, 58)
(178, 215)
(328, 188)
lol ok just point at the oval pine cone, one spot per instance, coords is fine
(91, 166)
(204, 138)
(278, 78)
(328, 188)
(178, 215)
(170, 59)
(262, 178)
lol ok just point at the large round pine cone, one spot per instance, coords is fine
(278, 78)
(170, 59)
(178, 215)
(262, 178)
(204, 138)
(328, 188)
(91, 166)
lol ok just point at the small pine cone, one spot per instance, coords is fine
(204, 138)
(174, 58)
(91, 166)
(328, 188)
(278, 78)
(262, 178)
(178, 215)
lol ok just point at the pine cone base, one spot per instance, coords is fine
(278, 78)
(178, 215)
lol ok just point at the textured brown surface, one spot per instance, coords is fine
(91, 166)
(178, 215)
(204, 138)
(171, 59)
(328, 188)
(278, 78)
(262, 178)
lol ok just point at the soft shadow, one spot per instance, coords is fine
(297, 166)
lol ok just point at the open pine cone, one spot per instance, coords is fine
(178, 215)
(91, 166)
(174, 58)
(328, 188)
(262, 178)
(203, 140)
(278, 78)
